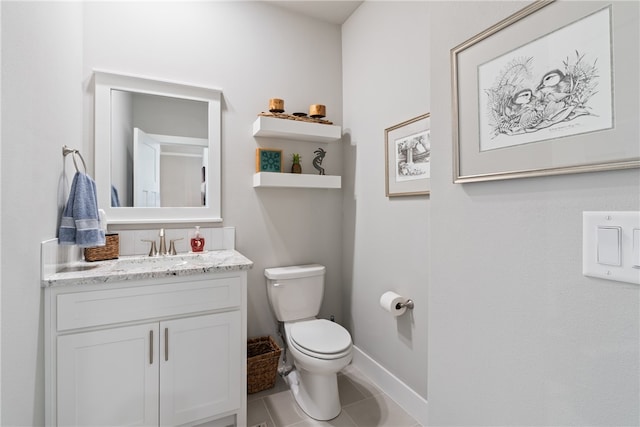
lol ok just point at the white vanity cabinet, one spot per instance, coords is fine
(153, 352)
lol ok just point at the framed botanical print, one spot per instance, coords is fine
(408, 157)
(552, 89)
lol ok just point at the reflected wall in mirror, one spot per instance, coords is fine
(157, 150)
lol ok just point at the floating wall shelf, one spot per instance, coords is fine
(294, 180)
(271, 127)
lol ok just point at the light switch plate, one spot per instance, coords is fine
(608, 247)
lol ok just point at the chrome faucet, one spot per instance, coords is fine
(163, 243)
(172, 246)
(163, 246)
(152, 251)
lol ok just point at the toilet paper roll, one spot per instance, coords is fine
(389, 300)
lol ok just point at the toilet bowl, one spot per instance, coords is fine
(320, 348)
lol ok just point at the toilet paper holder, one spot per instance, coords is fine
(408, 303)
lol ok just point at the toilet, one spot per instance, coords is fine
(320, 348)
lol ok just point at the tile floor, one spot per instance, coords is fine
(363, 405)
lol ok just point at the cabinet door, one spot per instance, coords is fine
(200, 367)
(108, 377)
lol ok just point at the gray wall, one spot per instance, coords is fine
(42, 110)
(252, 52)
(517, 336)
(122, 147)
(385, 56)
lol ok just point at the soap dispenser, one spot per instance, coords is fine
(197, 241)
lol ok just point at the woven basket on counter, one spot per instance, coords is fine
(263, 355)
(111, 249)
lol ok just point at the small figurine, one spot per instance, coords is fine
(295, 166)
(317, 161)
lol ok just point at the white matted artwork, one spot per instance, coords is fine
(408, 157)
(555, 86)
(552, 89)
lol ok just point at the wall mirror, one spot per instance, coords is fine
(157, 150)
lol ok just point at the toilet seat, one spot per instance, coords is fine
(320, 338)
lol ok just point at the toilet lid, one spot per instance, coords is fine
(320, 336)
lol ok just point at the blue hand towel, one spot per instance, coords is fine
(80, 224)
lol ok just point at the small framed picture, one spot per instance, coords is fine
(408, 157)
(268, 160)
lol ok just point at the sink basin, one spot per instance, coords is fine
(74, 268)
(161, 262)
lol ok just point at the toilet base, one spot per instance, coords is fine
(316, 394)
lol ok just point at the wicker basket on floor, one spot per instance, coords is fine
(263, 355)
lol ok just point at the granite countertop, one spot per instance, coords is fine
(143, 267)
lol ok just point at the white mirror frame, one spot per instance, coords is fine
(104, 83)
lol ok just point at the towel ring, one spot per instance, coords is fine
(66, 150)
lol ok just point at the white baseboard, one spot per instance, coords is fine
(409, 400)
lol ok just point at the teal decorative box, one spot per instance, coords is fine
(268, 160)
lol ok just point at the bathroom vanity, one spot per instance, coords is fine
(147, 341)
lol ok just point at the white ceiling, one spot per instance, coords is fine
(331, 11)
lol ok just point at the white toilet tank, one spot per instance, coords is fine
(295, 292)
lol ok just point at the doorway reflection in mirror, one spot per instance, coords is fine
(161, 147)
